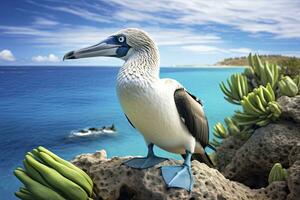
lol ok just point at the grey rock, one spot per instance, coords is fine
(293, 178)
(226, 151)
(116, 181)
(290, 107)
(267, 146)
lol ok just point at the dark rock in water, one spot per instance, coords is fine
(83, 131)
(93, 129)
(293, 178)
(112, 127)
(290, 107)
(116, 181)
(268, 145)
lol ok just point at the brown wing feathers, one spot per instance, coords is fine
(191, 111)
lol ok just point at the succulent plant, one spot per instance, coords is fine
(249, 72)
(232, 127)
(259, 108)
(288, 87)
(297, 80)
(47, 176)
(215, 143)
(267, 73)
(238, 88)
(220, 131)
(277, 173)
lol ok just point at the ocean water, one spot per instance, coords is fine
(43, 105)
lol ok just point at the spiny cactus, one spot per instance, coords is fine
(267, 73)
(238, 87)
(259, 107)
(277, 173)
(288, 87)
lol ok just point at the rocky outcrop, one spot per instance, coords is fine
(293, 178)
(226, 152)
(268, 145)
(242, 164)
(290, 107)
(116, 181)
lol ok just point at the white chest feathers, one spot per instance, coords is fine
(153, 112)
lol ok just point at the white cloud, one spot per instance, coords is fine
(281, 18)
(49, 58)
(7, 55)
(241, 50)
(205, 49)
(40, 21)
(66, 36)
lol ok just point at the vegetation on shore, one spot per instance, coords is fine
(256, 91)
(289, 65)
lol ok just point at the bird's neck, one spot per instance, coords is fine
(141, 68)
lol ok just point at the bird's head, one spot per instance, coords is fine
(122, 44)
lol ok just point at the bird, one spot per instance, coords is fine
(162, 110)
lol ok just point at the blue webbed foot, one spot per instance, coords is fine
(178, 177)
(146, 162)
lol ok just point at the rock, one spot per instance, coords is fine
(227, 151)
(290, 107)
(268, 145)
(293, 178)
(294, 154)
(116, 181)
(90, 159)
(94, 129)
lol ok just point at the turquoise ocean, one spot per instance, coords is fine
(46, 105)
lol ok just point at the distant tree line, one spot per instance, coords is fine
(290, 65)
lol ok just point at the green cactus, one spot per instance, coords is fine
(249, 72)
(266, 73)
(259, 108)
(288, 87)
(277, 173)
(238, 88)
(220, 131)
(215, 143)
(297, 81)
(232, 127)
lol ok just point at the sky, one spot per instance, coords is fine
(187, 32)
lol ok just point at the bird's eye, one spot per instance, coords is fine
(121, 39)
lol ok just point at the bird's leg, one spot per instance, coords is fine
(179, 176)
(146, 162)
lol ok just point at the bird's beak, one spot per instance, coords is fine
(101, 49)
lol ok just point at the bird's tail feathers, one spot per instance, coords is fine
(211, 147)
(204, 158)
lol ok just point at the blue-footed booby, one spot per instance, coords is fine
(162, 110)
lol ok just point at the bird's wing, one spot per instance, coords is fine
(191, 112)
(129, 121)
